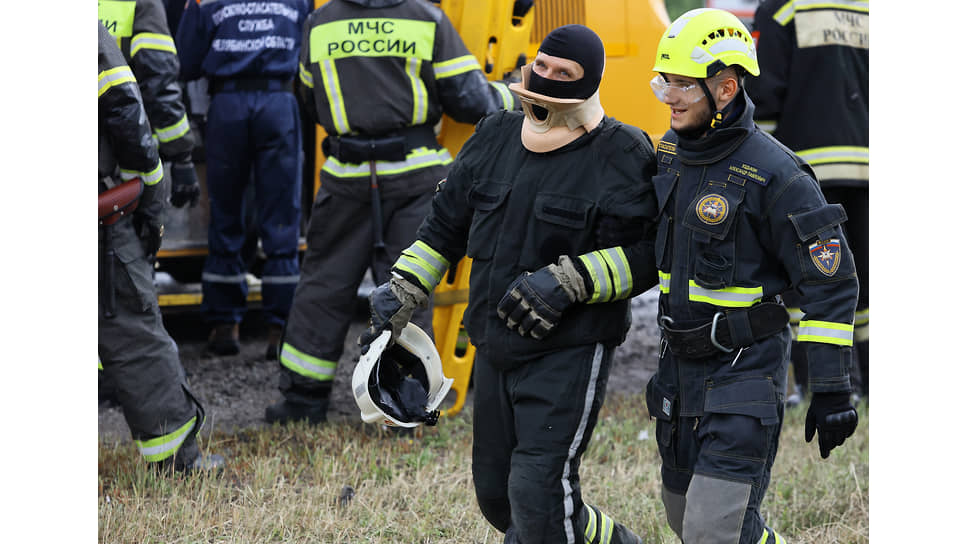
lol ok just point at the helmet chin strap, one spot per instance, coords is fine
(717, 113)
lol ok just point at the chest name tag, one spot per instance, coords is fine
(712, 209)
(750, 172)
(825, 255)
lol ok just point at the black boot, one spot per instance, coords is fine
(189, 460)
(288, 411)
(224, 340)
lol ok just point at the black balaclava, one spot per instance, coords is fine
(580, 44)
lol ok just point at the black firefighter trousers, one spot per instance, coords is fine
(339, 251)
(532, 424)
(137, 353)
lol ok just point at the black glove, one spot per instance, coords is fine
(535, 301)
(184, 184)
(833, 418)
(613, 230)
(150, 230)
(391, 306)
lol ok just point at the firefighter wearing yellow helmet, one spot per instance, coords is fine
(742, 220)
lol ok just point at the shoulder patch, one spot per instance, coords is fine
(825, 255)
(750, 172)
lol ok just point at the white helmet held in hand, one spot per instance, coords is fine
(400, 385)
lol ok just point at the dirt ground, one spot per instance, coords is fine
(236, 390)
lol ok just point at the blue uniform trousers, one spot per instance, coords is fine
(252, 135)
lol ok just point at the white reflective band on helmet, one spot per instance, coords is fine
(826, 332)
(162, 447)
(729, 297)
(306, 365)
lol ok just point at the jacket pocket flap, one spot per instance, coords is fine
(562, 210)
(486, 196)
(814, 222)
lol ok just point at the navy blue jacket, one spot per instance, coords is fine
(237, 39)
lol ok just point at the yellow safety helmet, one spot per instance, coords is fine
(702, 42)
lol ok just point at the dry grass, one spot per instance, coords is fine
(283, 484)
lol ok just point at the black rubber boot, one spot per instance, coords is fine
(288, 411)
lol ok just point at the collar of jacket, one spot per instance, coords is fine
(719, 143)
(376, 3)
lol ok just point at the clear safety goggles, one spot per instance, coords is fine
(676, 94)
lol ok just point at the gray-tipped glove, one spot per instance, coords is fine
(832, 418)
(391, 306)
(535, 301)
(184, 184)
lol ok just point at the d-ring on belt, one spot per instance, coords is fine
(727, 331)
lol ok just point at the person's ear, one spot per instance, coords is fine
(727, 89)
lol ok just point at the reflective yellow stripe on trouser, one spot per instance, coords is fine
(777, 539)
(162, 447)
(610, 274)
(425, 263)
(306, 365)
(595, 532)
(826, 332)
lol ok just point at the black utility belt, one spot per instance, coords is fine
(392, 146)
(728, 330)
(216, 86)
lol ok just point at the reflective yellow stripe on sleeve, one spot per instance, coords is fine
(610, 274)
(173, 132)
(455, 66)
(114, 77)
(507, 101)
(148, 178)
(826, 332)
(150, 40)
(425, 263)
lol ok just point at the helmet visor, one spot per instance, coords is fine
(675, 93)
